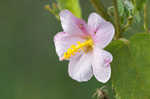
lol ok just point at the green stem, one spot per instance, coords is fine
(52, 10)
(117, 19)
(100, 9)
(128, 24)
(145, 18)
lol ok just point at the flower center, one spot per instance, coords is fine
(84, 46)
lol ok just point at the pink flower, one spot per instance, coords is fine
(83, 45)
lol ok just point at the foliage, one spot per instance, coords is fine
(130, 68)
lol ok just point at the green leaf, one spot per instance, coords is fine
(72, 5)
(120, 7)
(137, 17)
(120, 69)
(140, 49)
(139, 4)
(131, 67)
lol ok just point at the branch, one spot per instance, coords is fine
(117, 19)
(52, 9)
(100, 9)
(145, 18)
(128, 24)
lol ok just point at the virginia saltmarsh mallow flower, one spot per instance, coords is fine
(83, 45)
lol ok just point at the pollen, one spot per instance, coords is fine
(84, 46)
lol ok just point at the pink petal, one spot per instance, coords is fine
(63, 41)
(94, 21)
(80, 68)
(104, 34)
(104, 30)
(101, 65)
(72, 24)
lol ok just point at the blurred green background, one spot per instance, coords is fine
(29, 66)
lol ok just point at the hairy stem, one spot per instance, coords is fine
(127, 25)
(100, 9)
(145, 18)
(117, 19)
(52, 10)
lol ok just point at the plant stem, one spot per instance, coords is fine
(127, 25)
(117, 19)
(100, 9)
(145, 18)
(52, 10)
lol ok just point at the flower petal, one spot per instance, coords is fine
(94, 21)
(101, 65)
(63, 41)
(72, 24)
(80, 68)
(104, 34)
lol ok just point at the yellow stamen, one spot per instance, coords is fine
(85, 46)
